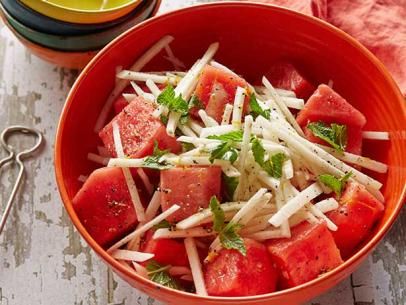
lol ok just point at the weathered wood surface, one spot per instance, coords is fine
(44, 261)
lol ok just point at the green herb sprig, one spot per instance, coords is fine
(174, 103)
(336, 184)
(272, 166)
(228, 235)
(335, 134)
(154, 161)
(256, 109)
(159, 274)
(224, 151)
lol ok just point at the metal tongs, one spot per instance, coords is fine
(16, 157)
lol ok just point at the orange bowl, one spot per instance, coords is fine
(320, 50)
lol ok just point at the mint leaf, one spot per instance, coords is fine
(230, 185)
(164, 224)
(256, 109)
(224, 151)
(273, 167)
(159, 274)
(235, 136)
(335, 134)
(158, 152)
(195, 102)
(184, 118)
(337, 185)
(187, 146)
(258, 151)
(164, 119)
(154, 161)
(218, 214)
(228, 235)
(277, 163)
(230, 239)
(174, 103)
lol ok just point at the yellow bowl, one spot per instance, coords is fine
(84, 12)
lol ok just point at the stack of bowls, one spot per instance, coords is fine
(69, 33)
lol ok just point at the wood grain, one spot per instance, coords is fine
(44, 261)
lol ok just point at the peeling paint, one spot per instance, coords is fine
(43, 260)
(70, 271)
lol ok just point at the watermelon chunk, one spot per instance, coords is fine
(310, 251)
(119, 104)
(327, 106)
(166, 251)
(285, 76)
(104, 205)
(139, 130)
(231, 274)
(355, 217)
(189, 187)
(215, 89)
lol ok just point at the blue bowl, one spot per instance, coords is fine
(45, 24)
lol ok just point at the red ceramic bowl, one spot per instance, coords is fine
(251, 36)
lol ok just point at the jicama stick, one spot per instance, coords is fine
(200, 217)
(375, 135)
(327, 205)
(141, 270)
(365, 162)
(228, 109)
(187, 83)
(267, 234)
(245, 145)
(280, 202)
(144, 228)
(145, 179)
(326, 161)
(153, 206)
(195, 126)
(207, 120)
(217, 130)
(153, 88)
(142, 76)
(128, 255)
(140, 92)
(293, 102)
(176, 62)
(179, 270)
(186, 130)
(295, 204)
(238, 107)
(120, 86)
(316, 212)
(282, 106)
(98, 159)
(193, 232)
(132, 188)
(195, 266)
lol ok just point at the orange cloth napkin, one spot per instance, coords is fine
(380, 25)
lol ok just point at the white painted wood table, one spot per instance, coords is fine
(43, 260)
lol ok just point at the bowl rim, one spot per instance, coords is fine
(352, 261)
(81, 11)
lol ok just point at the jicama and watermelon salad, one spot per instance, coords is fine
(220, 187)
